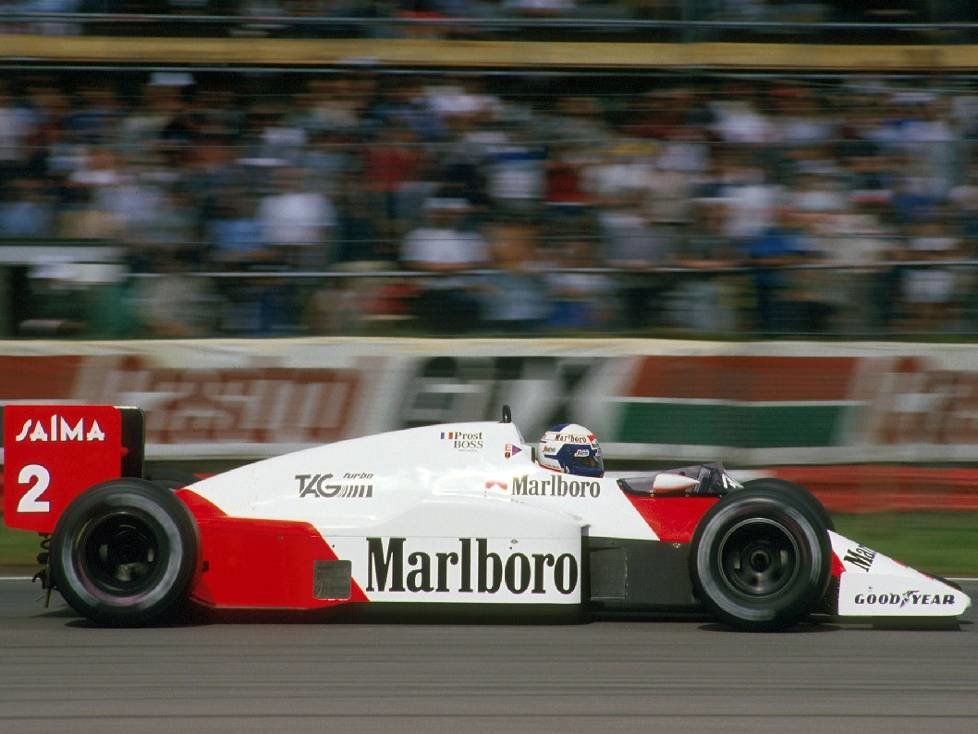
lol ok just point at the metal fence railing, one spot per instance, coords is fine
(895, 299)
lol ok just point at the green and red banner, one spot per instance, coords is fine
(738, 401)
(879, 404)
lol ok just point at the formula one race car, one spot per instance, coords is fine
(454, 517)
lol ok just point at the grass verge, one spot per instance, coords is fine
(18, 547)
(945, 543)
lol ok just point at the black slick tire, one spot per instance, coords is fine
(760, 559)
(125, 553)
(169, 477)
(796, 491)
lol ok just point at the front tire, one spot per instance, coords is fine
(760, 559)
(125, 553)
(798, 492)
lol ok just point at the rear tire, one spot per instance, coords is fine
(125, 553)
(760, 559)
(170, 478)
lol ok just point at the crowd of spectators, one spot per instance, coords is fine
(361, 201)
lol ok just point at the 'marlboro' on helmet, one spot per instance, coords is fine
(572, 449)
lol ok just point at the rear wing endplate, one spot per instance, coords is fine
(53, 453)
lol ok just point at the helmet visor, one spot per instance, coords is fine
(586, 461)
(590, 462)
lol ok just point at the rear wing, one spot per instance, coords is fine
(53, 453)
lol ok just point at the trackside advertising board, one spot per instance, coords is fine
(745, 403)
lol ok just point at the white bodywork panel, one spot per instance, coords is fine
(469, 517)
(514, 554)
(365, 486)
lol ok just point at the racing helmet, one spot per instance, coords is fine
(572, 449)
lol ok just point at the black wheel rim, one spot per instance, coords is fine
(122, 553)
(758, 558)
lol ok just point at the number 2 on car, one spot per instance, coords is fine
(52, 454)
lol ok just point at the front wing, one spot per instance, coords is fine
(871, 584)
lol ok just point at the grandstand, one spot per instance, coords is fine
(709, 169)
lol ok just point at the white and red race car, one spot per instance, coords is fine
(455, 517)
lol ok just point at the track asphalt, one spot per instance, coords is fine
(57, 673)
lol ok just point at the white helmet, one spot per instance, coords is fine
(572, 449)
